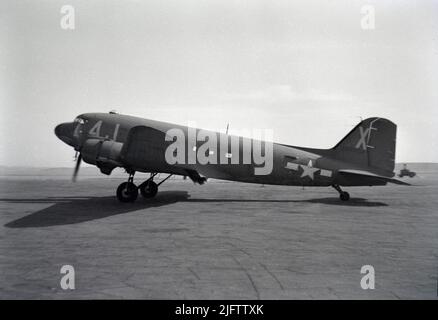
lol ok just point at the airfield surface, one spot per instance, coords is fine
(217, 241)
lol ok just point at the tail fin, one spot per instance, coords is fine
(371, 145)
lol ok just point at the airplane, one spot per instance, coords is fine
(364, 157)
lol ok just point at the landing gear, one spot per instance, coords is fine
(127, 191)
(343, 195)
(148, 189)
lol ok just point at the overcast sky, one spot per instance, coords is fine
(303, 68)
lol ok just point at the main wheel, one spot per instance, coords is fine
(344, 196)
(127, 192)
(149, 189)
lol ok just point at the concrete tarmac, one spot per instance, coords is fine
(217, 241)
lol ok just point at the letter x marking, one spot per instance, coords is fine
(363, 134)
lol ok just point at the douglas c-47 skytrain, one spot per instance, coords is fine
(364, 157)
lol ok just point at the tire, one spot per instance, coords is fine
(149, 189)
(127, 192)
(344, 196)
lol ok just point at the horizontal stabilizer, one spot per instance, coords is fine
(366, 176)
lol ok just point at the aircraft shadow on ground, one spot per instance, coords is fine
(72, 210)
(353, 202)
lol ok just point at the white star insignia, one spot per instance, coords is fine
(308, 171)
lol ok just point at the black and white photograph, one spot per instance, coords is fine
(218, 150)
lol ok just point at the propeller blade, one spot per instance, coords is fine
(78, 164)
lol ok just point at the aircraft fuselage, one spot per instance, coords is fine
(290, 165)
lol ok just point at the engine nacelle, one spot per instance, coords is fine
(105, 154)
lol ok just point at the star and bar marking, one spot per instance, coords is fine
(309, 170)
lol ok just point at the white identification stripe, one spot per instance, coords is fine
(292, 166)
(325, 173)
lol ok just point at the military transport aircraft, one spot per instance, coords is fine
(364, 157)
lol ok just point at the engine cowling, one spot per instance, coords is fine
(105, 154)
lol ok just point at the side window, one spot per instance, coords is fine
(289, 159)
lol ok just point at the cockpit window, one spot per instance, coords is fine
(79, 120)
(79, 126)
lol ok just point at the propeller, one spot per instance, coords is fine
(78, 164)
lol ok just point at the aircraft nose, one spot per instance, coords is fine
(64, 131)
